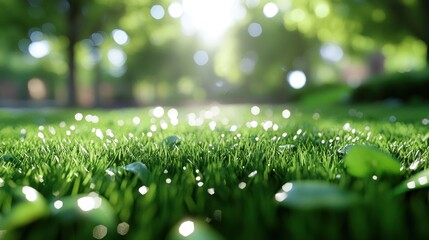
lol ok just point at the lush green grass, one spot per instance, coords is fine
(222, 175)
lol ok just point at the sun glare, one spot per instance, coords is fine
(210, 19)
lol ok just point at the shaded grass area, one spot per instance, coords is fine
(224, 172)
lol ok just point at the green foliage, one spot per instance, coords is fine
(418, 180)
(405, 87)
(139, 169)
(315, 195)
(364, 161)
(172, 141)
(28, 205)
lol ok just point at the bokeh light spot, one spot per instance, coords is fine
(143, 190)
(58, 204)
(175, 10)
(297, 79)
(322, 10)
(331, 52)
(37, 89)
(255, 29)
(99, 232)
(116, 57)
(270, 10)
(201, 58)
(120, 36)
(186, 228)
(123, 228)
(39, 49)
(255, 110)
(157, 12)
(286, 113)
(30, 193)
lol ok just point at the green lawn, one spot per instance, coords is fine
(215, 172)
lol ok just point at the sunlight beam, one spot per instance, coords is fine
(210, 19)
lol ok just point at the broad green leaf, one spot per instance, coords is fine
(314, 195)
(362, 161)
(28, 206)
(419, 180)
(139, 169)
(136, 168)
(87, 210)
(172, 141)
(194, 230)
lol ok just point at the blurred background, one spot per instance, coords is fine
(114, 53)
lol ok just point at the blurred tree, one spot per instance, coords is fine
(73, 19)
(361, 24)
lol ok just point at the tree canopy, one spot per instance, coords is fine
(170, 51)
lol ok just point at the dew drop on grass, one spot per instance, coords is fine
(186, 228)
(143, 190)
(211, 191)
(414, 165)
(99, 232)
(242, 185)
(58, 204)
(123, 228)
(253, 174)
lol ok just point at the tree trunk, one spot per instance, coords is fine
(72, 36)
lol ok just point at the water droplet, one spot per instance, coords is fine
(414, 165)
(211, 191)
(423, 180)
(58, 204)
(186, 228)
(411, 185)
(123, 228)
(99, 232)
(242, 185)
(253, 174)
(143, 190)
(30, 193)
